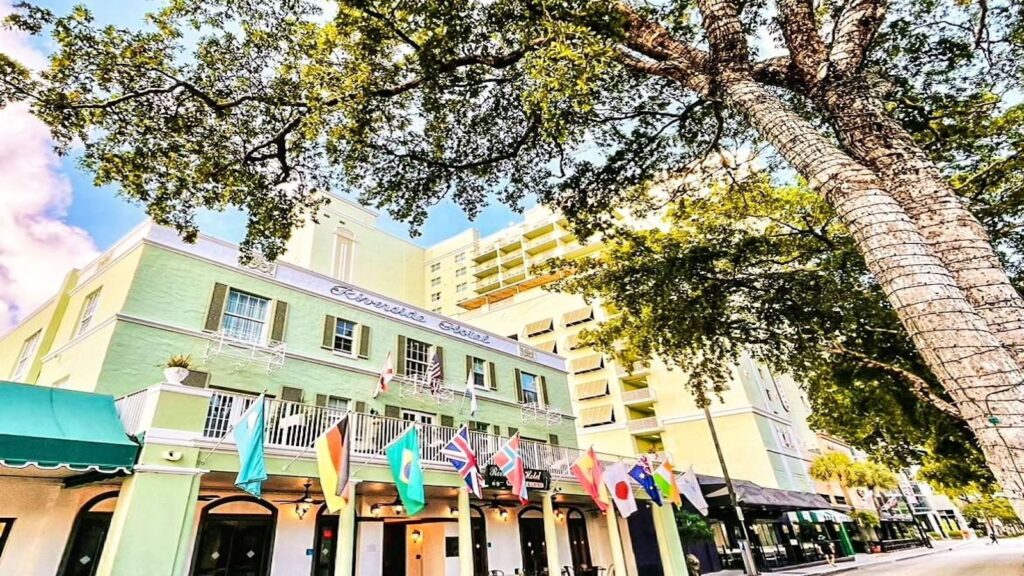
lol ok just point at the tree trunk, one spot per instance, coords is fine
(876, 140)
(973, 366)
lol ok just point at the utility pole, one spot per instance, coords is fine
(749, 566)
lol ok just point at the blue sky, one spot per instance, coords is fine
(107, 217)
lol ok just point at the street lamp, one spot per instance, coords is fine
(745, 551)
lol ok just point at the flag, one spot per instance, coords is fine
(296, 419)
(404, 459)
(641, 472)
(471, 390)
(510, 460)
(249, 433)
(386, 374)
(689, 487)
(332, 461)
(587, 469)
(617, 481)
(665, 478)
(435, 373)
(461, 455)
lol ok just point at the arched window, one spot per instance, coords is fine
(325, 542)
(88, 534)
(236, 538)
(478, 524)
(531, 540)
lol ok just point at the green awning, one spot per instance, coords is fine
(52, 428)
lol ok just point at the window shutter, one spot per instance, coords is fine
(392, 412)
(290, 394)
(361, 407)
(519, 386)
(280, 318)
(493, 384)
(400, 363)
(321, 399)
(512, 431)
(220, 293)
(440, 356)
(553, 439)
(364, 341)
(196, 379)
(544, 389)
(497, 430)
(469, 366)
(447, 421)
(330, 324)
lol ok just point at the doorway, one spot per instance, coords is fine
(88, 535)
(479, 527)
(235, 544)
(393, 550)
(579, 542)
(324, 543)
(531, 540)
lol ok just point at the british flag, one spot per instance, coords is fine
(510, 460)
(462, 457)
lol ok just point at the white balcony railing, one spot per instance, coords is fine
(129, 409)
(294, 426)
(268, 355)
(641, 396)
(645, 425)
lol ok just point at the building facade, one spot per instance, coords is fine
(315, 344)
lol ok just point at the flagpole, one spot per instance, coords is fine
(232, 426)
(306, 449)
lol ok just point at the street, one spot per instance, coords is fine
(976, 559)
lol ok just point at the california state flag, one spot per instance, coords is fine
(386, 374)
(617, 480)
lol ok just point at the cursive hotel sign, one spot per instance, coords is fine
(460, 330)
(376, 303)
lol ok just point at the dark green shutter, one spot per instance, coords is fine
(392, 412)
(361, 407)
(494, 376)
(280, 318)
(364, 341)
(220, 294)
(400, 364)
(321, 399)
(543, 389)
(440, 357)
(290, 394)
(447, 421)
(553, 439)
(519, 386)
(196, 379)
(512, 431)
(497, 430)
(330, 325)
(469, 366)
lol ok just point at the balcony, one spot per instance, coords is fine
(649, 425)
(541, 244)
(489, 283)
(639, 397)
(268, 355)
(486, 269)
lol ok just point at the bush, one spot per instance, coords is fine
(935, 535)
(957, 535)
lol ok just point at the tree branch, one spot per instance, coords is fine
(855, 28)
(806, 48)
(918, 386)
(678, 60)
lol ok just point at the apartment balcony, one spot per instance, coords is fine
(645, 426)
(506, 245)
(513, 275)
(639, 398)
(513, 260)
(637, 371)
(486, 252)
(545, 226)
(538, 245)
(486, 268)
(489, 283)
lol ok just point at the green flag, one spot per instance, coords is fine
(404, 459)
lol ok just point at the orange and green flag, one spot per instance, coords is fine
(665, 478)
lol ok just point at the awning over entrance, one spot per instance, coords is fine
(50, 428)
(751, 494)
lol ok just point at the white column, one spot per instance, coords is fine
(465, 534)
(550, 536)
(344, 553)
(615, 540)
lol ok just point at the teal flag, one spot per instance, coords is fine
(404, 459)
(252, 469)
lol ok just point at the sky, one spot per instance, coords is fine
(53, 218)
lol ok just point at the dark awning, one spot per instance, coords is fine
(51, 428)
(751, 494)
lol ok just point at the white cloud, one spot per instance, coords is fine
(37, 248)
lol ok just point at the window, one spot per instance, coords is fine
(436, 310)
(538, 327)
(479, 372)
(435, 297)
(417, 417)
(245, 317)
(344, 336)
(435, 282)
(460, 257)
(461, 271)
(344, 250)
(28, 352)
(417, 358)
(461, 287)
(337, 403)
(528, 385)
(435, 267)
(88, 310)
(841, 500)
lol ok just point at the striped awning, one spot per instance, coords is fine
(573, 342)
(539, 327)
(594, 389)
(597, 415)
(587, 364)
(548, 346)
(578, 316)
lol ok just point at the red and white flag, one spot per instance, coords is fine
(617, 481)
(510, 460)
(386, 374)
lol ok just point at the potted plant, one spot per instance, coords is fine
(176, 369)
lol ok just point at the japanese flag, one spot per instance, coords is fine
(617, 481)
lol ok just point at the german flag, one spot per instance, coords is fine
(332, 461)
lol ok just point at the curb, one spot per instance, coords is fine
(880, 562)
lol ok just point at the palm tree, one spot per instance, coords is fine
(835, 467)
(875, 478)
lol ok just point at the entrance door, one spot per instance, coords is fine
(645, 542)
(479, 527)
(393, 550)
(83, 551)
(234, 546)
(531, 540)
(324, 544)
(579, 542)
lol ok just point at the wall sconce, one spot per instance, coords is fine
(375, 510)
(398, 508)
(559, 515)
(417, 536)
(453, 511)
(503, 514)
(301, 509)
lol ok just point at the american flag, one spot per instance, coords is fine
(435, 374)
(462, 457)
(510, 460)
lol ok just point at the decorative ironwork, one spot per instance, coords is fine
(423, 388)
(534, 413)
(269, 355)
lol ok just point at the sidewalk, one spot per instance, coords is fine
(864, 560)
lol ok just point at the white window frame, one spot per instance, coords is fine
(417, 417)
(461, 287)
(413, 361)
(264, 322)
(352, 338)
(435, 267)
(485, 374)
(29, 347)
(460, 271)
(89, 306)
(539, 400)
(435, 282)
(435, 297)
(343, 255)
(331, 398)
(460, 257)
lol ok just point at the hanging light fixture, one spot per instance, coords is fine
(375, 510)
(301, 509)
(503, 514)
(559, 515)
(417, 536)
(453, 511)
